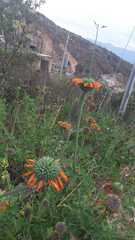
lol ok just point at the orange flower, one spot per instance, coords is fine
(30, 161)
(40, 185)
(93, 124)
(98, 85)
(65, 125)
(93, 85)
(55, 184)
(45, 171)
(28, 165)
(60, 182)
(77, 81)
(88, 85)
(84, 84)
(62, 175)
(31, 181)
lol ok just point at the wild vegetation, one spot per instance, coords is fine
(97, 199)
(66, 163)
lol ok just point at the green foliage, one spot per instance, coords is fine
(28, 134)
(2, 113)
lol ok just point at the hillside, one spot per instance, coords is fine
(51, 38)
(128, 55)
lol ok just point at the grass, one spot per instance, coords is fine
(81, 209)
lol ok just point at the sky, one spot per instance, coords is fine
(78, 16)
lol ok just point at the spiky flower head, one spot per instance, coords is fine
(45, 171)
(87, 84)
(47, 168)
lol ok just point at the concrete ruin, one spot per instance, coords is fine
(41, 42)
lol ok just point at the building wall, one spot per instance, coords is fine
(45, 45)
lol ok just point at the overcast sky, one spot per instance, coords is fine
(78, 15)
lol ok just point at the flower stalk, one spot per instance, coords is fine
(82, 103)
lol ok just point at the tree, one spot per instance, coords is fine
(14, 16)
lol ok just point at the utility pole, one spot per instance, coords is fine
(98, 27)
(64, 54)
(128, 92)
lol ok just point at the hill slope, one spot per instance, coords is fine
(127, 55)
(52, 39)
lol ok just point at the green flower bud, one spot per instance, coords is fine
(47, 168)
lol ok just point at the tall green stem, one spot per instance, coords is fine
(82, 103)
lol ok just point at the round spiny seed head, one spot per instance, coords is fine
(47, 168)
(60, 227)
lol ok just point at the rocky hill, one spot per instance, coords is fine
(50, 39)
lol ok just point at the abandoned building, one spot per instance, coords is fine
(41, 42)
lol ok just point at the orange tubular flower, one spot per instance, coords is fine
(93, 85)
(60, 182)
(93, 124)
(55, 185)
(77, 81)
(87, 84)
(97, 85)
(57, 182)
(30, 161)
(65, 125)
(31, 181)
(62, 175)
(40, 185)
(28, 165)
(45, 171)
